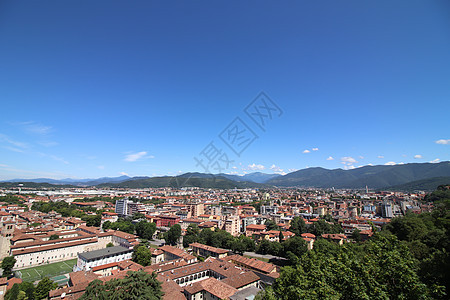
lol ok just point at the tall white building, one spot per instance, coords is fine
(125, 207)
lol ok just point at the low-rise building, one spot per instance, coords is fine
(205, 251)
(87, 260)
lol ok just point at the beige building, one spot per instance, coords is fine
(196, 209)
(30, 249)
(232, 225)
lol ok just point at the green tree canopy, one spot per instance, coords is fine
(53, 237)
(145, 230)
(271, 225)
(136, 285)
(7, 265)
(43, 288)
(385, 270)
(173, 234)
(298, 226)
(142, 255)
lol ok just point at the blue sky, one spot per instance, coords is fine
(103, 88)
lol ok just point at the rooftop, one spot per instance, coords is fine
(98, 254)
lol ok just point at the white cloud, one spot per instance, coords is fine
(292, 170)
(277, 170)
(57, 158)
(315, 149)
(361, 157)
(234, 167)
(14, 173)
(380, 156)
(136, 156)
(418, 156)
(14, 149)
(16, 144)
(435, 161)
(390, 163)
(54, 157)
(347, 160)
(233, 173)
(35, 127)
(48, 143)
(443, 142)
(330, 158)
(306, 151)
(255, 167)
(123, 173)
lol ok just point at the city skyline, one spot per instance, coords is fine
(102, 89)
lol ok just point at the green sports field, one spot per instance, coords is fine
(50, 270)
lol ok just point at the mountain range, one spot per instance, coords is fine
(420, 176)
(374, 177)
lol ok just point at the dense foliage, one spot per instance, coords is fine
(43, 288)
(380, 269)
(218, 238)
(427, 236)
(408, 259)
(136, 285)
(7, 265)
(173, 234)
(142, 255)
(70, 210)
(11, 199)
(142, 229)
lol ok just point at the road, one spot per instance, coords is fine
(157, 242)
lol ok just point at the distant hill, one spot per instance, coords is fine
(257, 177)
(374, 177)
(72, 181)
(427, 185)
(34, 185)
(420, 176)
(200, 180)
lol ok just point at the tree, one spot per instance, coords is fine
(13, 293)
(106, 225)
(271, 225)
(356, 235)
(109, 245)
(22, 296)
(320, 227)
(44, 286)
(298, 226)
(248, 243)
(382, 268)
(7, 265)
(138, 216)
(93, 220)
(173, 234)
(53, 237)
(28, 288)
(136, 285)
(142, 255)
(296, 245)
(263, 247)
(145, 230)
(276, 249)
(206, 236)
(192, 235)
